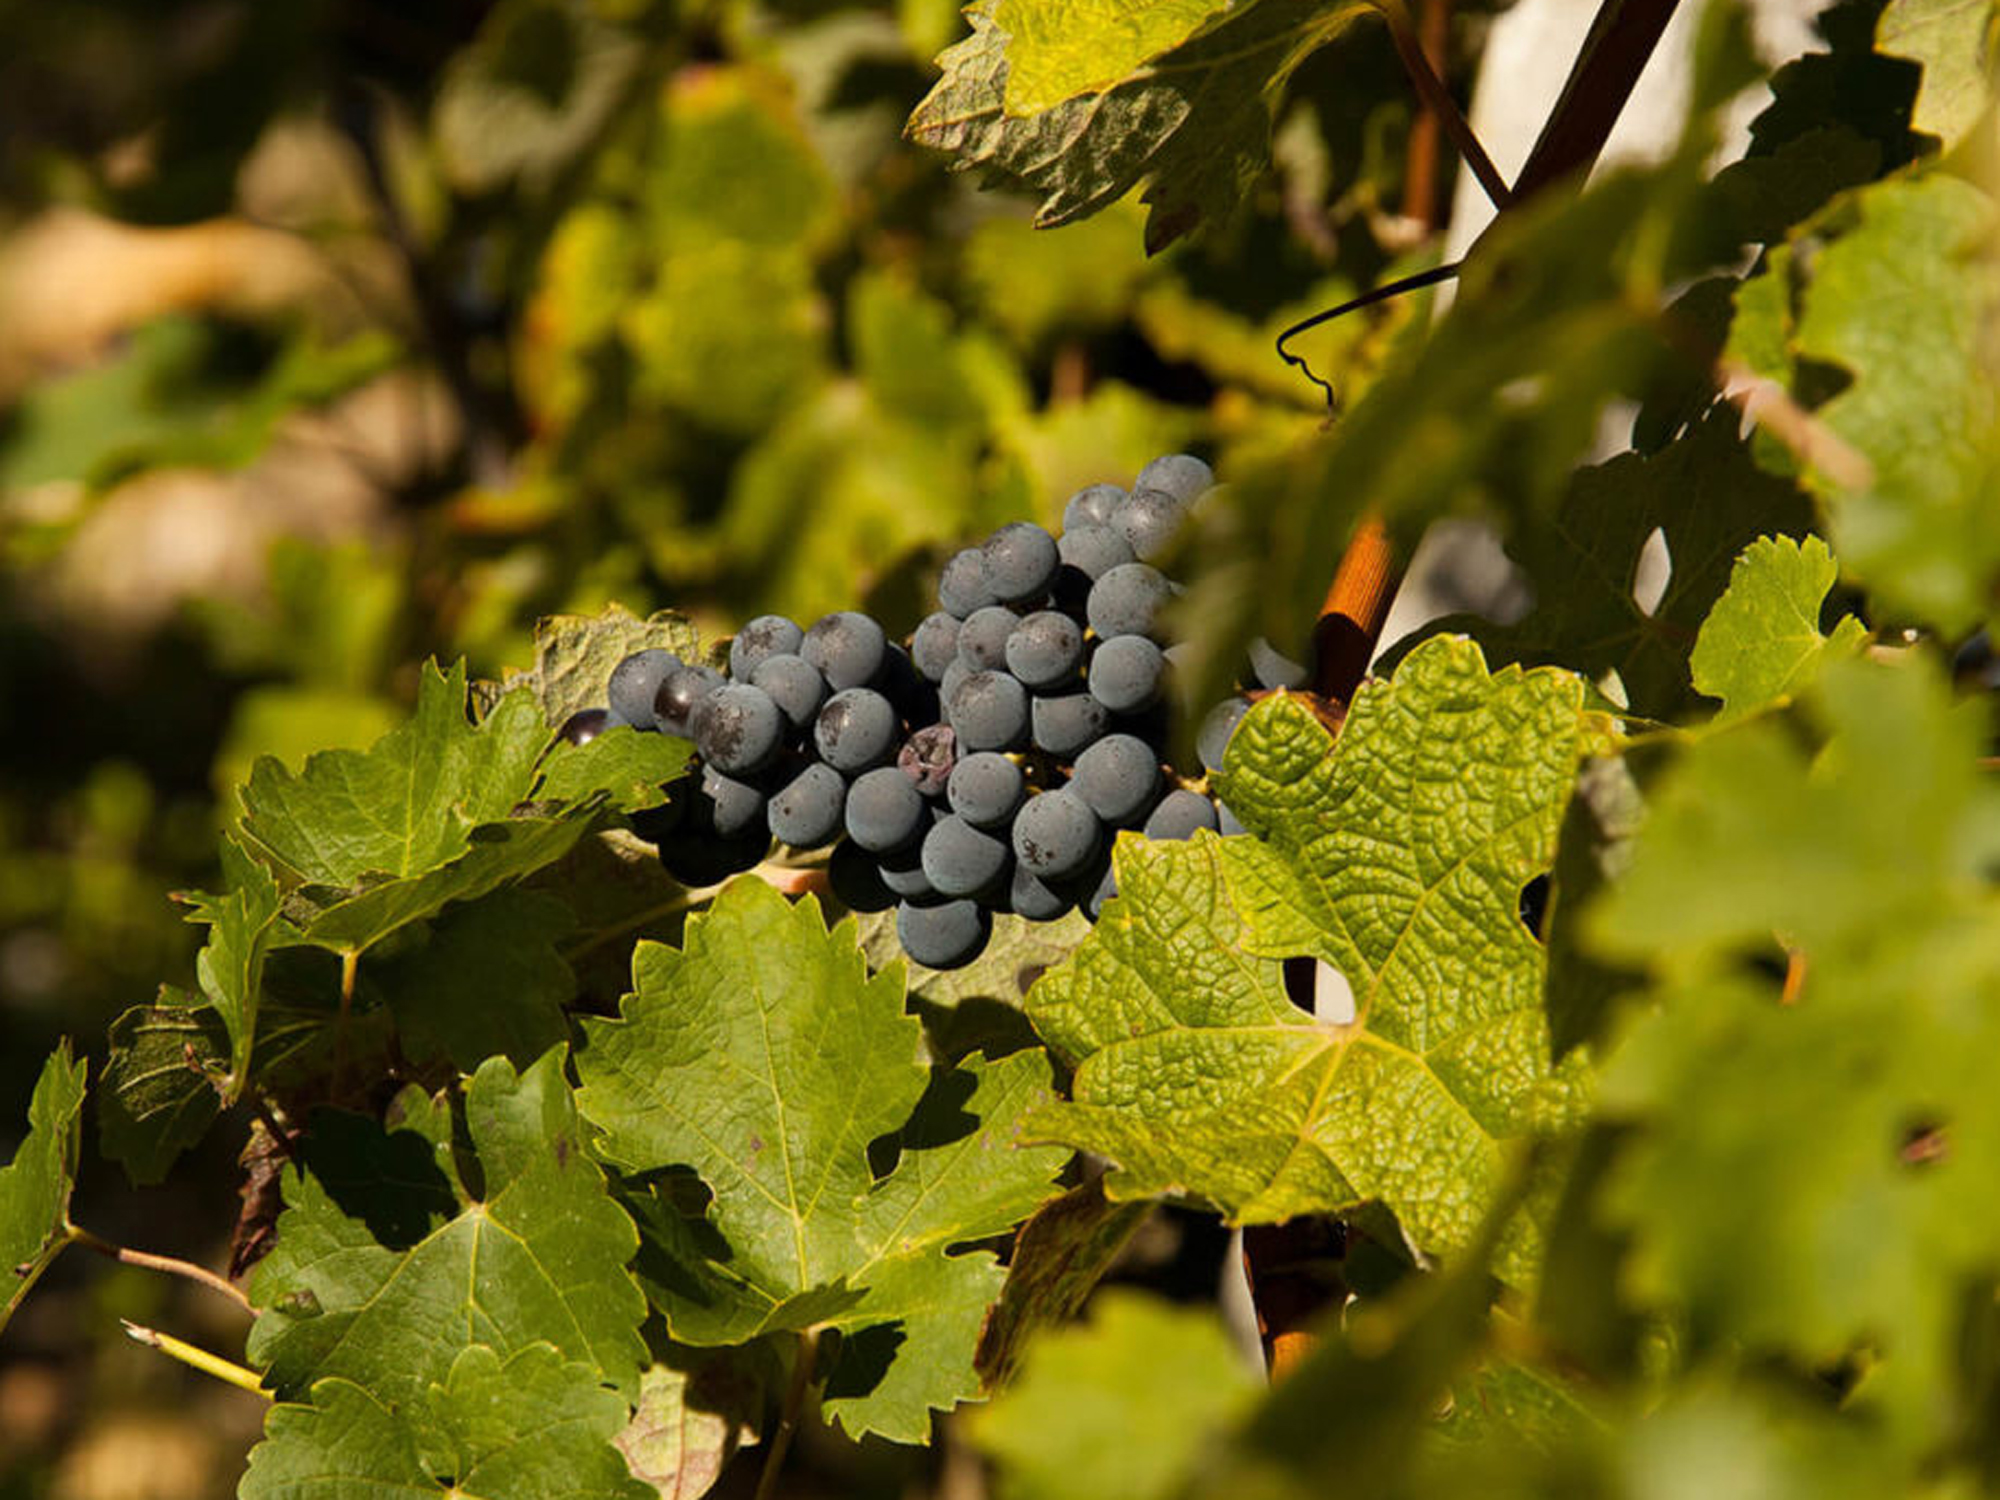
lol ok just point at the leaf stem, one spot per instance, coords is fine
(172, 1265)
(1430, 88)
(197, 1358)
(803, 1361)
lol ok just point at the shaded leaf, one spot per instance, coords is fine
(527, 1428)
(696, 1408)
(158, 1093)
(766, 1058)
(1953, 39)
(35, 1186)
(574, 655)
(405, 1266)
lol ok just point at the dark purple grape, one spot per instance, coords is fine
(1181, 475)
(1055, 834)
(1035, 899)
(1019, 562)
(1272, 668)
(963, 586)
(1064, 726)
(585, 725)
(847, 648)
(1128, 600)
(737, 807)
(1095, 550)
(1044, 649)
(855, 729)
(982, 639)
(1148, 522)
(1118, 778)
(856, 879)
(635, 682)
(1218, 727)
(794, 685)
(680, 690)
(989, 711)
(942, 934)
(1093, 505)
(1127, 673)
(960, 860)
(935, 645)
(810, 809)
(1179, 814)
(737, 728)
(985, 789)
(884, 811)
(767, 635)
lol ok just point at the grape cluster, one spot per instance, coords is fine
(984, 769)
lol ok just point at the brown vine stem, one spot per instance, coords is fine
(1356, 605)
(1420, 174)
(796, 1390)
(173, 1266)
(1430, 88)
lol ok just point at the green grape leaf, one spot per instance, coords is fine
(1397, 854)
(1122, 1405)
(391, 1259)
(1761, 644)
(529, 1427)
(408, 805)
(485, 979)
(157, 1095)
(696, 1408)
(1954, 40)
(736, 165)
(1871, 1089)
(574, 655)
(630, 766)
(535, 89)
(1057, 49)
(243, 924)
(1707, 498)
(1059, 1257)
(1195, 126)
(35, 1186)
(1890, 286)
(743, 1056)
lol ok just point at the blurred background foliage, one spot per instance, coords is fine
(340, 333)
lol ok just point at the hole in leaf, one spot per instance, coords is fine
(1533, 907)
(1650, 573)
(1320, 990)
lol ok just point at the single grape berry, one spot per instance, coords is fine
(857, 879)
(737, 728)
(1226, 822)
(1065, 725)
(586, 724)
(1272, 668)
(1095, 550)
(942, 934)
(767, 635)
(1044, 649)
(1179, 814)
(1217, 729)
(1128, 600)
(809, 810)
(989, 711)
(1148, 522)
(884, 810)
(737, 807)
(962, 588)
(680, 690)
(855, 730)
(1035, 899)
(1093, 505)
(1127, 673)
(928, 756)
(935, 645)
(1118, 778)
(847, 648)
(635, 682)
(985, 789)
(1019, 561)
(795, 685)
(1055, 834)
(1181, 475)
(960, 860)
(982, 639)
(902, 870)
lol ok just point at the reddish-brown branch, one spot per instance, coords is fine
(1420, 174)
(1607, 69)
(1356, 605)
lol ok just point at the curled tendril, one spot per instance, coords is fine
(1414, 283)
